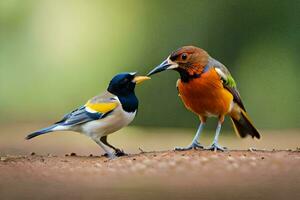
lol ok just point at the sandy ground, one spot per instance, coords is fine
(130, 139)
(164, 174)
(194, 174)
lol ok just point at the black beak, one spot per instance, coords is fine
(162, 67)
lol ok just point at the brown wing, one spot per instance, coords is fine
(228, 81)
(236, 96)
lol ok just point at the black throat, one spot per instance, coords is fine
(129, 102)
(185, 76)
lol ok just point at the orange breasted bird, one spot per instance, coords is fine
(102, 114)
(207, 88)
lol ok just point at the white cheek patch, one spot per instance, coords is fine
(172, 64)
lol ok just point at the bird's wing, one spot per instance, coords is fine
(96, 108)
(228, 81)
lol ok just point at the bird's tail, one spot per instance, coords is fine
(242, 123)
(41, 132)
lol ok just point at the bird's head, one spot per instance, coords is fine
(123, 84)
(187, 60)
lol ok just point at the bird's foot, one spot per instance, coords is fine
(116, 154)
(120, 153)
(194, 145)
(216, 147)
(110, 156)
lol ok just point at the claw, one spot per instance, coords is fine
(216, 147)
(110, 156)
(120, 153)
(116, 154)
(194, 145)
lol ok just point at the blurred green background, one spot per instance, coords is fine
(56, 54)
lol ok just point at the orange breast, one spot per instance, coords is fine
(205, 95)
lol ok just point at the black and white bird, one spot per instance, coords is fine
(103, 114)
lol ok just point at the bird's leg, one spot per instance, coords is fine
(215, 145)
(108, 151)
(195, 144)
(118, 152)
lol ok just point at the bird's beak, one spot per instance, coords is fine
(167, 64)
(140, 79)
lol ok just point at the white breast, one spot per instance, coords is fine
(111, 123)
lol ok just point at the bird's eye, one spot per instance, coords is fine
(183, 56)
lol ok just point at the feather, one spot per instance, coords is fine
(103, 107)
(228, 81)
(96, 108)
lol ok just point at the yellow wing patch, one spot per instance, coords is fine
(102, 107)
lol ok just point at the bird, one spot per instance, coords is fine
(207, 89)
(103, 114)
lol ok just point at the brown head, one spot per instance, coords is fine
(189, 61)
